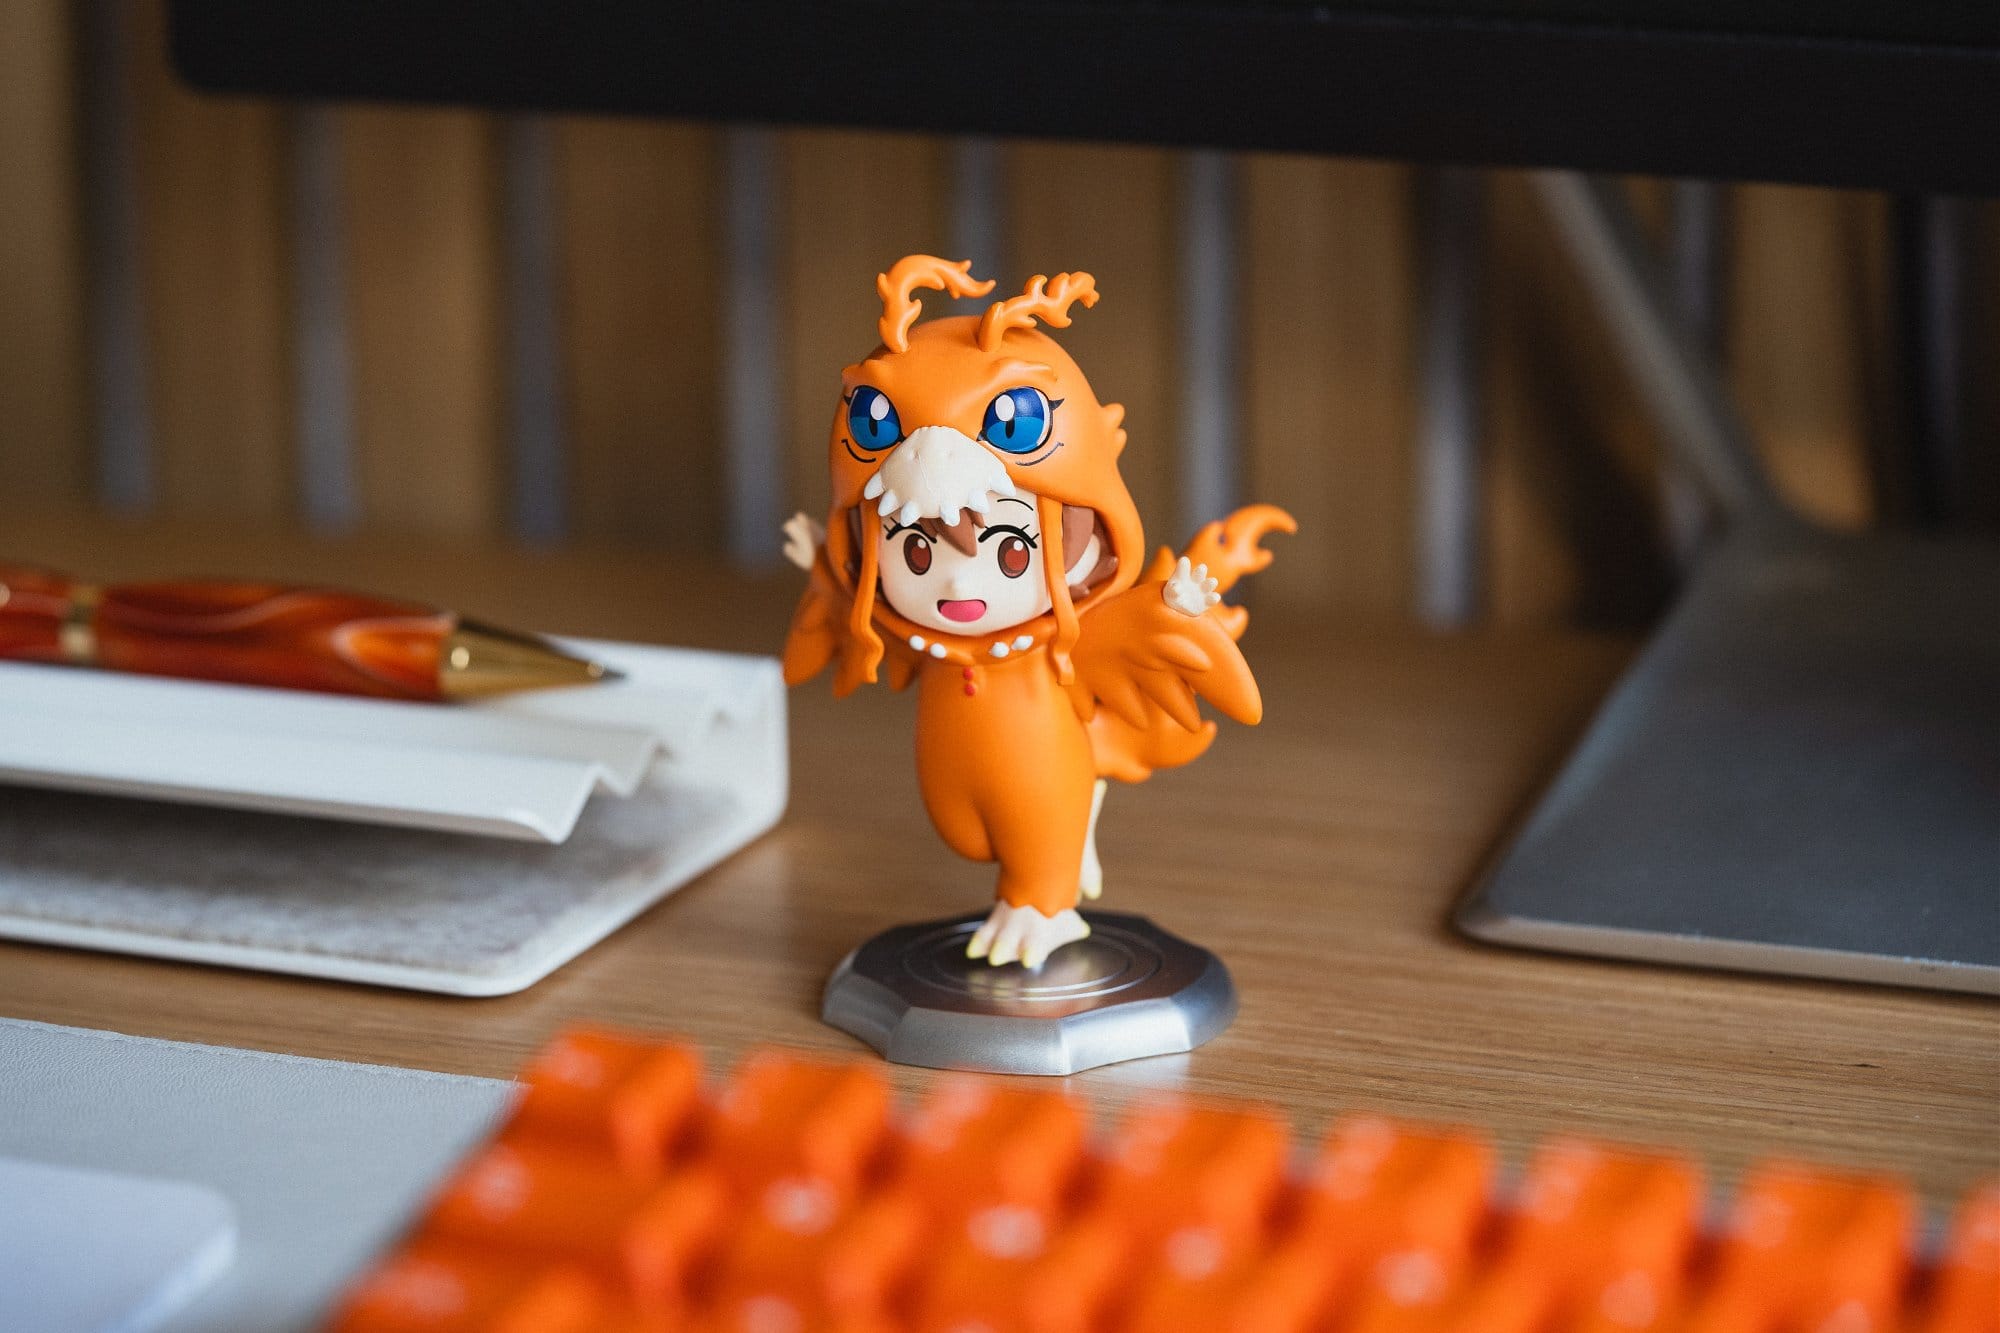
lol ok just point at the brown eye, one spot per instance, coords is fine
(1013, 557)
(917, 553)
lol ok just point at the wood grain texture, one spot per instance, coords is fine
(854, 203)
(1319, 854)
(1328, 311)
(636, 225)
(1110, 212)
(44, 414)
(215, 282)
(422, 255)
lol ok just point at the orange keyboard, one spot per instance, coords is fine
(624, 1197)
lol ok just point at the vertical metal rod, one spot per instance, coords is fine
(978, 185)
(117, 297)
(752, 407)
(540, 473)
(1698, 270)
(1210, 360)
(1934, 250)
(1678, 381)
(329, 487)
(1450, 482)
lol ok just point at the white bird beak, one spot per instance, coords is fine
(937, 472)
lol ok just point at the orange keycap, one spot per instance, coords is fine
(630, 1098)
(433, 1288)
(527, 1199)
(798, 1249)
(1008, 1272)
(1283, 1291)
(1599, 1239)
(1965, 1289)
(778, 1315)
(1509, 1299)
(782, 1116)
(1809, 1251)
(1195, 1176)
(1396, 1209)
(974, 1144)
(1619, 1227)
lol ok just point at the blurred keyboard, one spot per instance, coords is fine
(622, 1197)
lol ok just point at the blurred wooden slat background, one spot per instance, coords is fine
(44, 417)
(1328, 278)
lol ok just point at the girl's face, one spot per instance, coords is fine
(997, 586)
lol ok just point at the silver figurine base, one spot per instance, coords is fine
(1129, 990)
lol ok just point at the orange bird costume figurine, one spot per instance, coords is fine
(982, 543)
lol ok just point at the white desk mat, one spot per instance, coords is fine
(323, 1163)
(87, 1250)
(388, 906)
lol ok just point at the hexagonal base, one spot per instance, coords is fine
(1129, 990)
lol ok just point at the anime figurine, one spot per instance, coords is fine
(981, 542)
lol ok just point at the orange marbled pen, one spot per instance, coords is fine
(321, 639)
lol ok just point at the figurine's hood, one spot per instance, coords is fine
(940, 378)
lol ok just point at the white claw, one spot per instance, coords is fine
(1023, 643)
(910, 513)
(888, 505)
(917, 642)
(982, 939)
(1021, 933)
(873, 488)
(1006, 946)
(939, 650)
(998, 650)
(979, 504)
(948, 516)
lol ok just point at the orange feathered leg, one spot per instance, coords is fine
(1007, 775)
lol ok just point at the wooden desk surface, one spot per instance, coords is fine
(1319, 854)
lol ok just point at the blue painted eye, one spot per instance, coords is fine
(871, 418)
(1018, 421)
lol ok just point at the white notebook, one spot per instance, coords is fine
(519, 766)
(347, 839)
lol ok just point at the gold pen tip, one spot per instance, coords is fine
(479, 660)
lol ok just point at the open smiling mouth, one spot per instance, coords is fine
(963, 611)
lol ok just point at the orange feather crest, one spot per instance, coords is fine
(910, 275)
(1044, 298)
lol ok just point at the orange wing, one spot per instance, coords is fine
(817, 626)
(819, 633)
(1229, 546)
(1140, 665)
(1145, 662)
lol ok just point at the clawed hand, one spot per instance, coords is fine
(803, 538)
(1189, 590)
